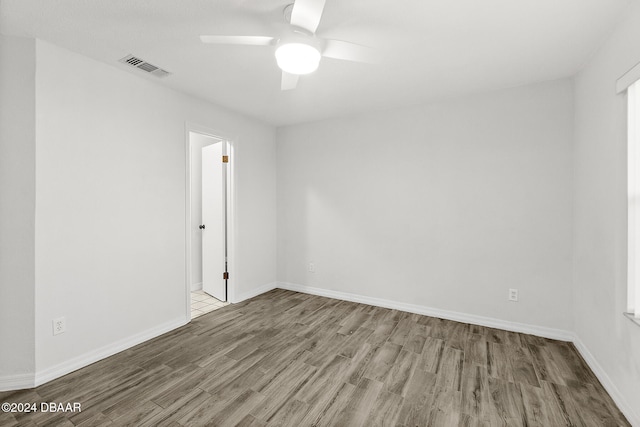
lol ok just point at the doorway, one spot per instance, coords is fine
(209, 204)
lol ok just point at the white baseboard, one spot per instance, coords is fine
(632, 416)
(556, 334)
(86, 359)
(17, 382)
(196, 286)
(254, 292)
(30, 380)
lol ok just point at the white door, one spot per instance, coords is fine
(213, 221)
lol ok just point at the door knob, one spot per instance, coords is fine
(201, 227)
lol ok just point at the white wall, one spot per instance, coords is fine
(110, 196)
(17, 208)
(254, 181)
(600, 214)
(198, 141)
(444, 206)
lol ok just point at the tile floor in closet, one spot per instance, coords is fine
(202, 303)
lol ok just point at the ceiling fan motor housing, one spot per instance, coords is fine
(300, 35)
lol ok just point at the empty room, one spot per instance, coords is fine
(320, 213)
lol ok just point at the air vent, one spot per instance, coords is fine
(144, 66)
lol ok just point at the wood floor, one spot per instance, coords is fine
(290, 359)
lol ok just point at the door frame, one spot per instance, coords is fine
(228, 140)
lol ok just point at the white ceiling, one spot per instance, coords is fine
(429, 49)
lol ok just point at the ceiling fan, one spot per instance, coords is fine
(299, 50)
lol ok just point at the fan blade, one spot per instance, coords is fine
(289, 81)
(246, 40)
(339, 49)
(307, 13)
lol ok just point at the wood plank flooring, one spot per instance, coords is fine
(290, 359)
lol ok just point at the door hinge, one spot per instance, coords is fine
(225, 159)
(225, 275)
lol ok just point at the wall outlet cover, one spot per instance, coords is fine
(59, 325)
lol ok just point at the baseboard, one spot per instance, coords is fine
(86, 359)
(196, 286)
(30, 380)
(556, 334)
(632, 416)
(17, 382)
(254, 292)
(22, 381)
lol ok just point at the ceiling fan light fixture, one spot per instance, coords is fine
(297, 58)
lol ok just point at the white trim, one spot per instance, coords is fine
(187, 219)
(628, 78)
(29, 380)
(17, 382)
(87, 359)
(255, 292)
(229, 142)
(633, 200)
(556, 334)
(231, 219)
(632, 416)
(196, 286)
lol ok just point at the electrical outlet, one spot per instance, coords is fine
(312, 267)
(513, 295)
(59, 325)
